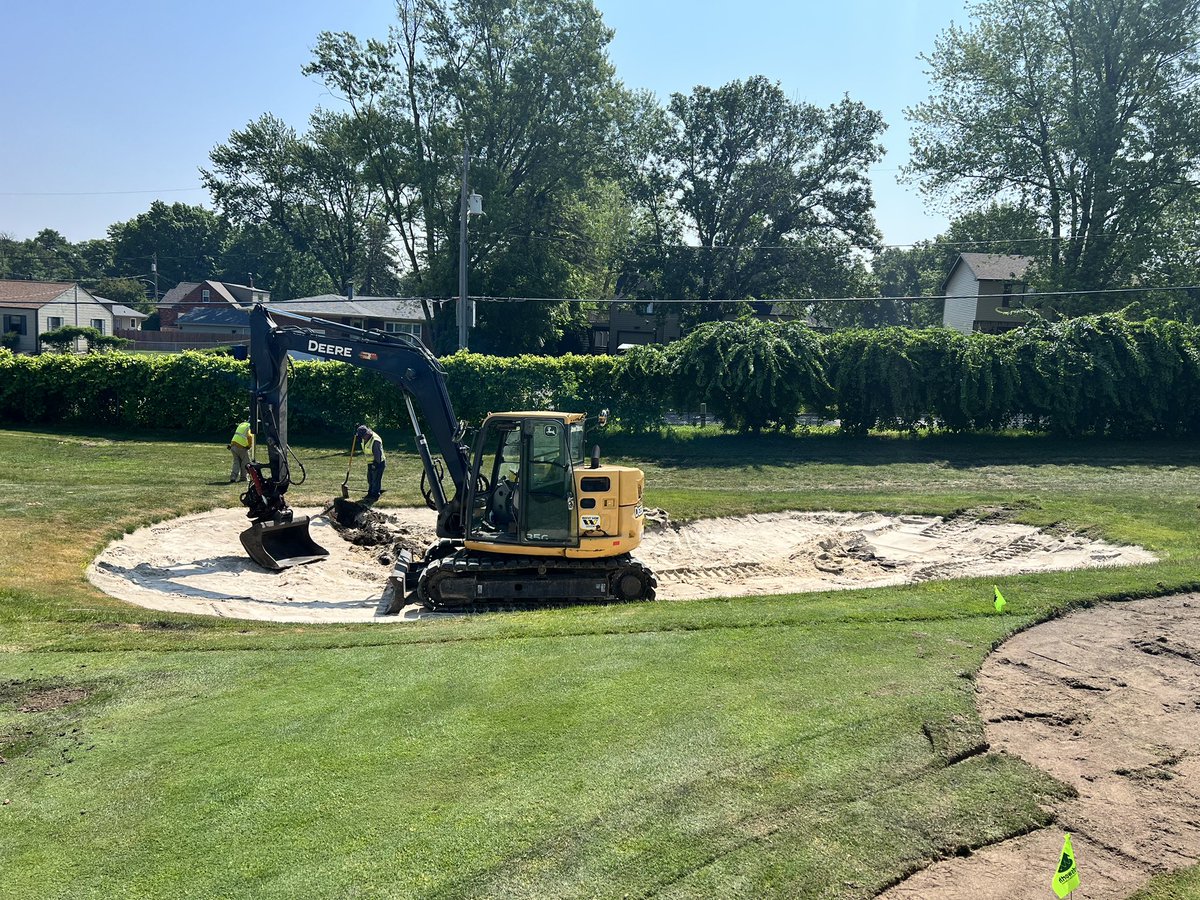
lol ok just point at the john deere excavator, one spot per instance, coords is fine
(523, 519)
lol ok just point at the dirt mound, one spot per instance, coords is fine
(195, 563)
(363, 526)
(1105, 700)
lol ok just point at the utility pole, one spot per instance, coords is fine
(154, 273)
(463, 310)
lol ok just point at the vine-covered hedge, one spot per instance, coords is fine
(1093, 375)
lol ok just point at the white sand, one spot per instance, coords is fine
(195, 564)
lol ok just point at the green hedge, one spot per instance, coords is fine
(1093, 375)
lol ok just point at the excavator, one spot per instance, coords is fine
(524, 519)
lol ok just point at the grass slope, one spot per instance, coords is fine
(813, 745)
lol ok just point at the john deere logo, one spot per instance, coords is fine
(1065, 864)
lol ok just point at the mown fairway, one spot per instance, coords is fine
(794, 746)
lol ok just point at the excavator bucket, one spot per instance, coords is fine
(279, 547)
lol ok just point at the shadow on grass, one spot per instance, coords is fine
(686, 447)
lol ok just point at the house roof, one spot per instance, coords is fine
(120, 309)
(177, 293)
(990, 267)
(220, 292)
(996, 267)
(32, 294)
(402, 309)
(216, 315)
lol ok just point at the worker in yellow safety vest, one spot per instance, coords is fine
(239, 445)
(372, 444)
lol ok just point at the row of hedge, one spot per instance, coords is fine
(1093, 375)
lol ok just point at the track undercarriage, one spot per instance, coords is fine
(453, 578)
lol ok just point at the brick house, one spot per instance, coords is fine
(189, 295)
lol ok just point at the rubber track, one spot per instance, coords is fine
(465, 562)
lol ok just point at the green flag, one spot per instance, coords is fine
(1066, 879)
(1000, 601)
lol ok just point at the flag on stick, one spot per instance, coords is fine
(1000, 601)
(1066, 879)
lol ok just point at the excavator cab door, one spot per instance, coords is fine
(525, 489)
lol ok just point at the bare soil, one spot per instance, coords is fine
(32, 697)
(195, 564)
(1106, 700)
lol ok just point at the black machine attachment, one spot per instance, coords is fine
(276, 540)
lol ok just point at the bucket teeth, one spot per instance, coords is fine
(280, 546)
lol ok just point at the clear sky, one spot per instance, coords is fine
(108, 106)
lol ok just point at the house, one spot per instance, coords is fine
(125, 318)
(29, 309)
(625, 325)
(396, 315)
(231, 320)
(188, 295)
(983, 293)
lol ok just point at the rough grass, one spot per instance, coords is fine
(812, 745)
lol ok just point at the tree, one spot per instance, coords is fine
(129, 291)
(46, 257)
(1086, 111)
(527, 86)
(775, 191)
(311, 189)
(187, 240)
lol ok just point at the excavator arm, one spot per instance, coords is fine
(399, 358)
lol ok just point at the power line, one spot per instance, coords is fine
(708, 302)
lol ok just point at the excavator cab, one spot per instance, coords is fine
(524, 494)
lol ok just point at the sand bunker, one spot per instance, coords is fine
(1105, 700)
(195, 564)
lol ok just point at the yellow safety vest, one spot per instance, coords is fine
(243, 436)
(369, 448)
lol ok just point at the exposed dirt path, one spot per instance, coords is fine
(195, 564)
(1108, 701)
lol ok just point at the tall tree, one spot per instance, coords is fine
(774, 191)
(311, 188)
(526, 85)
(187, 240)
(1087, 111)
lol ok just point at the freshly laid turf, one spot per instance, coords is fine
(811, 745)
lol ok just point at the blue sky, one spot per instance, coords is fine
(108, 106)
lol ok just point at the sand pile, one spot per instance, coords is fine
(195, 564)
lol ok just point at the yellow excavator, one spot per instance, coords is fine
(525, 518)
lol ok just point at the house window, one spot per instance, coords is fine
(356, 323)
(402, 328)
(1010, 288)
(98, 324)
(53, 322)
(205, 295)
(600, 339)
(14, 323)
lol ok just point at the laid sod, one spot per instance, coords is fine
(811, 745)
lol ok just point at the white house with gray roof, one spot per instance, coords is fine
(28, 309)
(983, 292)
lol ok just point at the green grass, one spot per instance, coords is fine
(809, 745)
(1184, 885)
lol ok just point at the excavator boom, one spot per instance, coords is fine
(508, 532)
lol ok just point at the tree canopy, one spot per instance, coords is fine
(1085, 111)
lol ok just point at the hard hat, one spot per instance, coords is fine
(362, 431)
